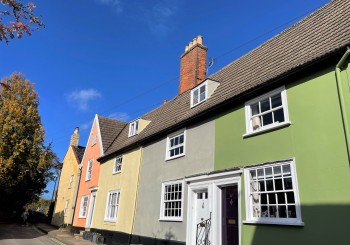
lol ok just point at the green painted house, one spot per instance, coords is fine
(282, 169)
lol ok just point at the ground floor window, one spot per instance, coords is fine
(272, 193)
(112, 205)
(172, 198)
(83, 206)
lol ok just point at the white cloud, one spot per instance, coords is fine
(121, 116)
(82, 98)
(160, 16)
(115, 4)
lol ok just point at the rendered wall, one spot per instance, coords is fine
(155, 170)
(316, 140)
(64, 192)
(91, 152)
(126, 182)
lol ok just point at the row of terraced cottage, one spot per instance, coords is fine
(257, 153)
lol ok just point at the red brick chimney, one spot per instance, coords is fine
(193, 65)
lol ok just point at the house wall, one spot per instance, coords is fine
(126, 182)
(64, 192)
(91, 152)
(315, 139)
(155, 170)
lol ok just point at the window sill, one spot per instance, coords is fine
(271, 222)
(170, 220)
(110, 220)
(270, 128)
(172, 158)
(116, 172)
(192, 106)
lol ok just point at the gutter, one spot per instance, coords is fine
(342, 101)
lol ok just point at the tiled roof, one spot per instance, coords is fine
(322, 33)
(79, 152)
(109, 129)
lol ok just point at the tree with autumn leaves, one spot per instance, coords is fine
(25, 161)
(17, 18)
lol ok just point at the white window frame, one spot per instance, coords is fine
(84, 208)
(89, 170)
(94, 140)
(107, 217)
(71, 181)
(204, 84)
(163, 201)
(169, 148)
(134, 128)
(249, 195)
(66, 208)
(250, 120)
(118, 164)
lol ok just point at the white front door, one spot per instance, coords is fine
(202, 217)
(91, 210)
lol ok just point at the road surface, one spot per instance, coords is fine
(15, 234)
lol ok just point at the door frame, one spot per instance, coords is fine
(213, 182)
(90, 214)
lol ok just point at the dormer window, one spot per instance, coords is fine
(133, 128)
(199, 94)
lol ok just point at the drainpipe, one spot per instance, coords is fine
(136, 197)
(342, 101)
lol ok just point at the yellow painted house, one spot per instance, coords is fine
(68, 183)
(119, 179)
(117, 190)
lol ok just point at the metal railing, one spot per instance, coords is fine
(203, 230)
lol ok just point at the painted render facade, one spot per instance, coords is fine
(156, 170)
(316, 143)
(88, 181)
(125, 182)
(68, 183)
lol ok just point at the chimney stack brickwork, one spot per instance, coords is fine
(74, 139)
(193, 65)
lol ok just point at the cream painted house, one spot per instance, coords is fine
(68, 183)
(117, 192)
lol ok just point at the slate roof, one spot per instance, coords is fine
(79, 152)
(109, 129)
(321, 34)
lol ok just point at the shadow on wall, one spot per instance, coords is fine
(57, 219)
(170, 239)
(323, 224)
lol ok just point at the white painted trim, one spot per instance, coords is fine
(115, 163)
(107, 219)
(280, 221)
(198, 87)
(87, 143)
(87, 168)
(130, 134)
(249, 130)
(214, 175)
(213, 184)
(100, 137)
(81, 205)
(172, 135)
(90, 213)
(161, 216)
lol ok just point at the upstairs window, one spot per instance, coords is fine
(267, 111)
(71, 181)
(133, 128)
(175, 146)
(89, 170)
(272, 194)
(199, 94)
(94, 140)
(172, 201)
(112, 206)
(118, 162)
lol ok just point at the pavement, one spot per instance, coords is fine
(60, 235)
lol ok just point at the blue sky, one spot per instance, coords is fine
(120, 58)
